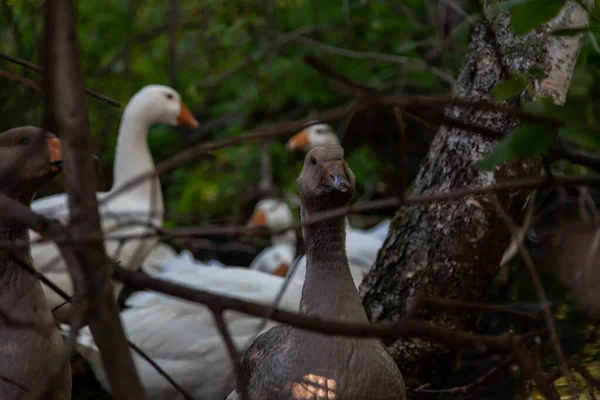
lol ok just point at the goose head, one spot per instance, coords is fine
(271, 213)
(311, 137)
(35, 157)
(326, 181)
(159, 104)
(276, 260)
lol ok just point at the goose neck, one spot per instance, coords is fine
(133, 159)
(329, 289)
(287, 238)
(132, 155)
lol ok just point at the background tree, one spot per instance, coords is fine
(240, 65)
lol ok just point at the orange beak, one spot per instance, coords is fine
(186, 118)
(281, 270)
(55, 153)
(259, 218)
(298, 141)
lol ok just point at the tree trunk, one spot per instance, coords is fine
(452, 249)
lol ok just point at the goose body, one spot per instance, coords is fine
(380, 230)
(286, 363)
(134, 211)
(182, 337)
(163, 259)
(26, 354)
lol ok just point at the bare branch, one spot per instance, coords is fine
(467, 388)
(22, 80)
(242, 383)
(90, 269)
(40, 70)
(541, 295)
(404, 327)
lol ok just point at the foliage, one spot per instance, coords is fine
(232, 58)
(577, 117)
(528, 140)
(242, 61)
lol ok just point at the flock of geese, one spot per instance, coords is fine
(281, 362)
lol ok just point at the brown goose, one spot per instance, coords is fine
(289, 363)
(26, 354)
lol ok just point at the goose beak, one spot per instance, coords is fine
(54, 150)
(259, 218)
(334, 175)
(186, 118)
(298, 141)
(282, 270)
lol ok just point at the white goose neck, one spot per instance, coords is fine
(286, 238)
(133, 158)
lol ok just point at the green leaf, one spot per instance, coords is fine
(578, 134)
(511, 87)
(533, 13)
(543, 106)
(527, 141)
(536, 72)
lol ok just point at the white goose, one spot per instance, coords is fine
(164, 258)
(139, 207)
(276, 214)
(182, 337)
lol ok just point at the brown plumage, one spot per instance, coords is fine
(27, 355)
(289, 363)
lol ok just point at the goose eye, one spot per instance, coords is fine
(24, 141)
(169, 96)
(313, 161)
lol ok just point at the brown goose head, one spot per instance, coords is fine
(326, 181)
(29, 157)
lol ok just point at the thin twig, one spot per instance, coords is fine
(365, 207)
(402, 134)
(65, 105)
(22, 80)
(160, 371)
(403, 327)
(40, 70)
(459, 390)
(461, 306)
(539, 377)
(541, 295)
(242, 381)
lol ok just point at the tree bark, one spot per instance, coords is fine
(90, 269)
(452, 249)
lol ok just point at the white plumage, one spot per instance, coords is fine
(182, 337)
(133, 212)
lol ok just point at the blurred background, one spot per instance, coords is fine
(238, 65)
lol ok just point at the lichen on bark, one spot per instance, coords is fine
(452, 249)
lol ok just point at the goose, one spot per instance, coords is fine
(159, 255)
(321, 135)
(276, 214)
(130, 212)
(287, 363)
(163, 258)
(313, 136)
(182, 337)
(27, 353)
